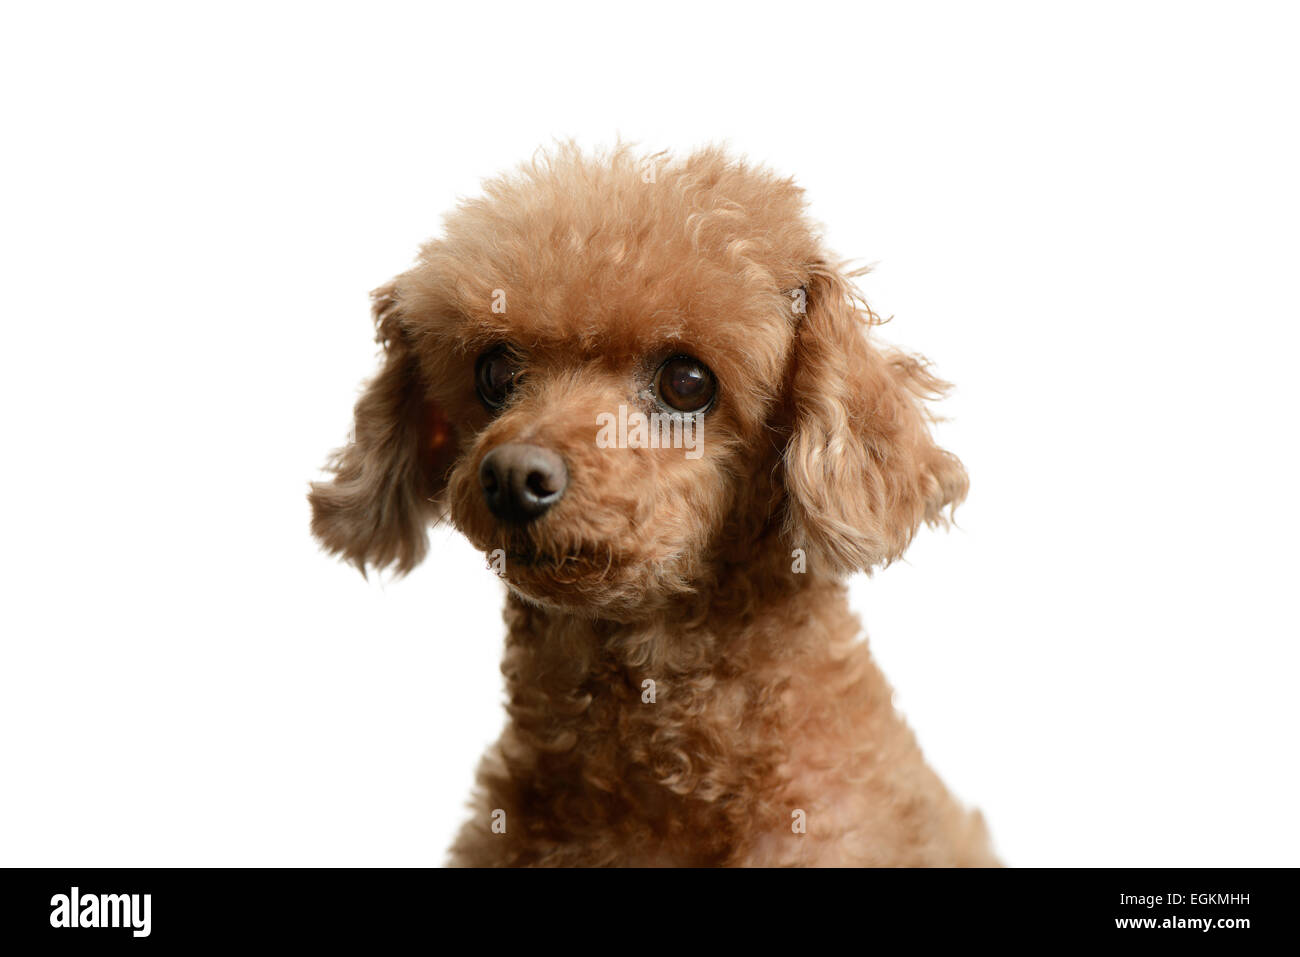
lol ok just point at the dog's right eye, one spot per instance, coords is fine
(495, 376)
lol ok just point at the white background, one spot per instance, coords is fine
(1086, 215)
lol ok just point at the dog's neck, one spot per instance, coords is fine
(685, 721)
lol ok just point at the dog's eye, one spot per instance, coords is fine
(685, 384)
(495, 376)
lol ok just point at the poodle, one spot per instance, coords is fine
(641, 387)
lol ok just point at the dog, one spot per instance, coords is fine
(686, 683)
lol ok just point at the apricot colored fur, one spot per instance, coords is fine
(768, 709)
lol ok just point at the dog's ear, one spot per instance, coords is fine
(388, 479)
(861, 469)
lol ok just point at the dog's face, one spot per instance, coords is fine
(607, 368)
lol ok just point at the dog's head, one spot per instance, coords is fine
(612, 372)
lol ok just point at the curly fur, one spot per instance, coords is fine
(654, 566)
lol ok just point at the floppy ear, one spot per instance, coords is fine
(377, 507)
(861, 470)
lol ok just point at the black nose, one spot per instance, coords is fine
(522, 481)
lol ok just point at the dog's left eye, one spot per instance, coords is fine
(685, 383)
(495, 376)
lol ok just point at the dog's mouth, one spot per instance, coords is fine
(547, 559)
(572, 563)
